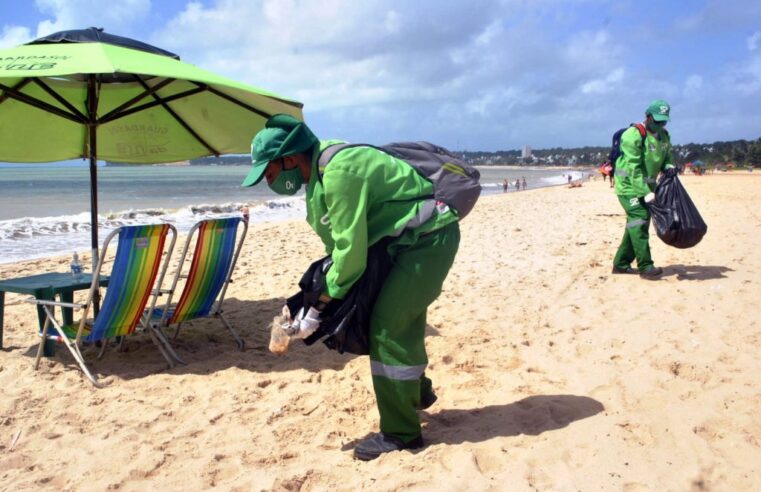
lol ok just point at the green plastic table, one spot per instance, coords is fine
(46, 286)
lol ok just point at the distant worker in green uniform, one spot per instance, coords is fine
(361, 196)
(640, 162)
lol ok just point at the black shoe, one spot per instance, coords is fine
(380, 443)
(427, 399)
(617, 270)
(651, 273)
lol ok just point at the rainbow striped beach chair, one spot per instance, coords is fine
(137, 267)
(214, 256)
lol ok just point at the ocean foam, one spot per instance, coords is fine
(38, 237)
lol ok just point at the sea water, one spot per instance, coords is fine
(45, 210)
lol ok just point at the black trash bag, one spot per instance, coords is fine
(345, 322)
(677, 221)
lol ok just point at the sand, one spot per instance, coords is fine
(552, 374)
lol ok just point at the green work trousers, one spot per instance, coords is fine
(635, 243)
(397, 328)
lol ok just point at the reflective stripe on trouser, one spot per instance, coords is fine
(397, 328)
(635, 243)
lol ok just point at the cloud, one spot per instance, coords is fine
(754, 41)
(499, 73)
(715, 16)
(476, 65)
(78, 14)
(745, 78)
(14, 36)
(601, 86)
(693, 84)
(303, 49)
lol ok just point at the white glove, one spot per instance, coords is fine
(649, 197)
(304, 325)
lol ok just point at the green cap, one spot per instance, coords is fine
(659, 109)
(281, 136)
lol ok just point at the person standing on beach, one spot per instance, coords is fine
(641, 160)
(361, 196)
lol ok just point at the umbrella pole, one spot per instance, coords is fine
(94, 210)
(92, 125)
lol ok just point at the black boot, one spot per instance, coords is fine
(377, 444)
(652, 273)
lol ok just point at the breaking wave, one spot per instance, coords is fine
(37, 237)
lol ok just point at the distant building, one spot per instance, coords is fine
(526, 152)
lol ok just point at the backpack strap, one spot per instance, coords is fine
(642, 133)
(330, 151)
(427, 209)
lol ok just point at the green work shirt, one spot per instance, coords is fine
(361, 196)
(633, 178)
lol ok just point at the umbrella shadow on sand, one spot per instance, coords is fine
(531, 416)
(696, 272)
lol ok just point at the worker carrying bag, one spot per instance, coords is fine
(676, 219)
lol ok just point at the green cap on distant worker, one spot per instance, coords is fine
(659, 109)
(281, 136)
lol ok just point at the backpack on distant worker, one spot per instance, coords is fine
(454, 182)
(608, 168)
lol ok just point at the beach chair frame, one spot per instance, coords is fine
(216, 311)
(73, 346)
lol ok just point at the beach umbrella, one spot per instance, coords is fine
(93, 95)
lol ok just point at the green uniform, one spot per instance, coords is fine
(360, 197)
(634, 180)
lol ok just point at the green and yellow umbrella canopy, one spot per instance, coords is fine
(144, 107)
(89, 94)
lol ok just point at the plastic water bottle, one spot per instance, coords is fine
(76, 267)
(280, 332)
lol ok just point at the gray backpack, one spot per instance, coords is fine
(454, 182)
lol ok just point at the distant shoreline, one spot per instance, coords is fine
(536, 168)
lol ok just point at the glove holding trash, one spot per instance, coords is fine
(286, 328)
(305, 323)
(342, 324)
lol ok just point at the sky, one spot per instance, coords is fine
(477, 75)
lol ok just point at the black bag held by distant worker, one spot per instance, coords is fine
(677, 221)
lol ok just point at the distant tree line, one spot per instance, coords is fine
(223, 160)
(731, 153)
(735, 152)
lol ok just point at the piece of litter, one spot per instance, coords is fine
(15, 440)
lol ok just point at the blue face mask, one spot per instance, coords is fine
(288, 181)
